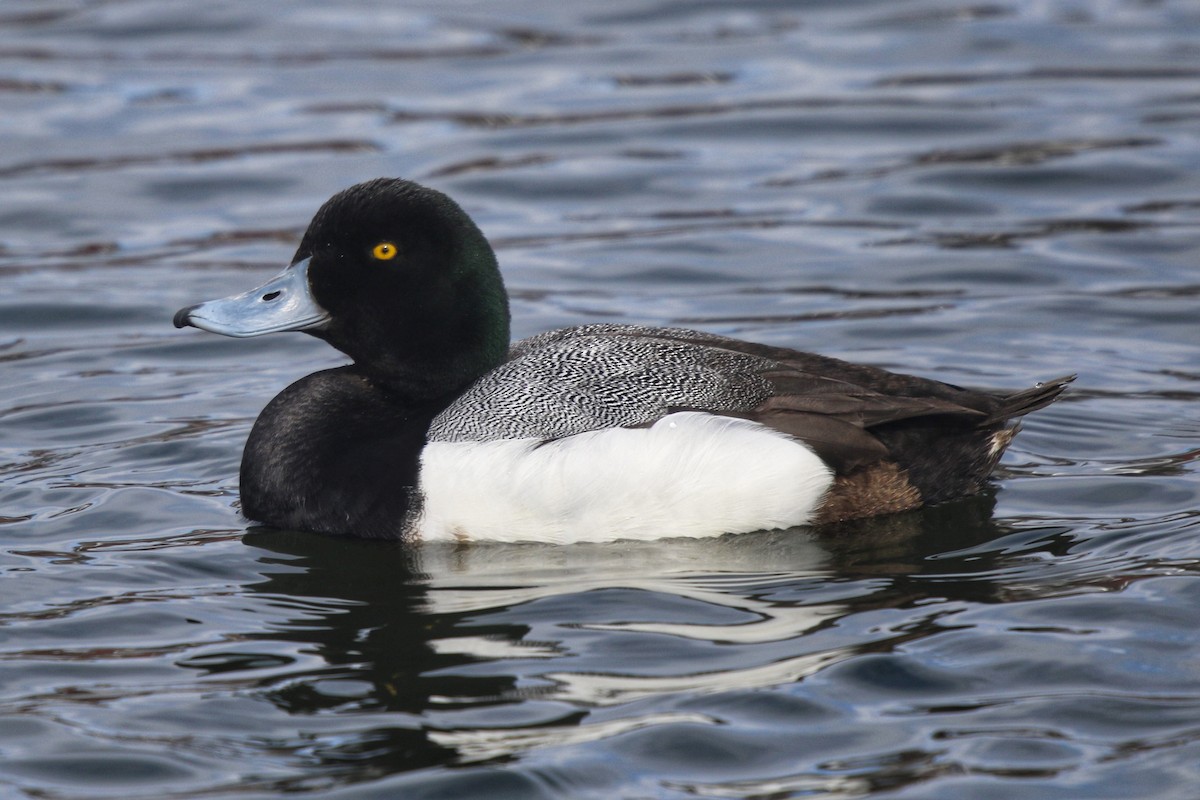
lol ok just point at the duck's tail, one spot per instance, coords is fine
(1027, 401)
(1015, 406)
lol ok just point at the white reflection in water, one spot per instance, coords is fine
(602, 690)
(483, 577)
(486, 743)
(732, 574)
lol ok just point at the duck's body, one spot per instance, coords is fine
(581, 434)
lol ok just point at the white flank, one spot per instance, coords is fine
(690, 474)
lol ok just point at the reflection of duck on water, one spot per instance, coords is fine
(434, 635)
(441, 430)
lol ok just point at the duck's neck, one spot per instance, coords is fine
(434, 370)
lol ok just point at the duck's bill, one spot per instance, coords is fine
(284, 303)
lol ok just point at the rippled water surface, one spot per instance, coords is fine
(990, 194)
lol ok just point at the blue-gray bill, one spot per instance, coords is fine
(283, 303)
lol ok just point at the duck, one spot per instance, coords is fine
(441, 430)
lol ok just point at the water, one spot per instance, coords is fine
(989, 194)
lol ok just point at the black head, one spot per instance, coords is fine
(398, 277)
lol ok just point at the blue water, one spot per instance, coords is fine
(989, 194)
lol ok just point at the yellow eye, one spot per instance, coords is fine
(384, 251)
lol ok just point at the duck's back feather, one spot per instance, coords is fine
(581, 379)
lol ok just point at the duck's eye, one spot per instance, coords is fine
(384, 251)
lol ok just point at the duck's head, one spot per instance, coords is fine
(393, 274)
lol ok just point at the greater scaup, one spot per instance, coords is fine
(442, 430)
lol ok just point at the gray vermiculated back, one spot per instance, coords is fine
(580, 379)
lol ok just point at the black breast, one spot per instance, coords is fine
(334, 453)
